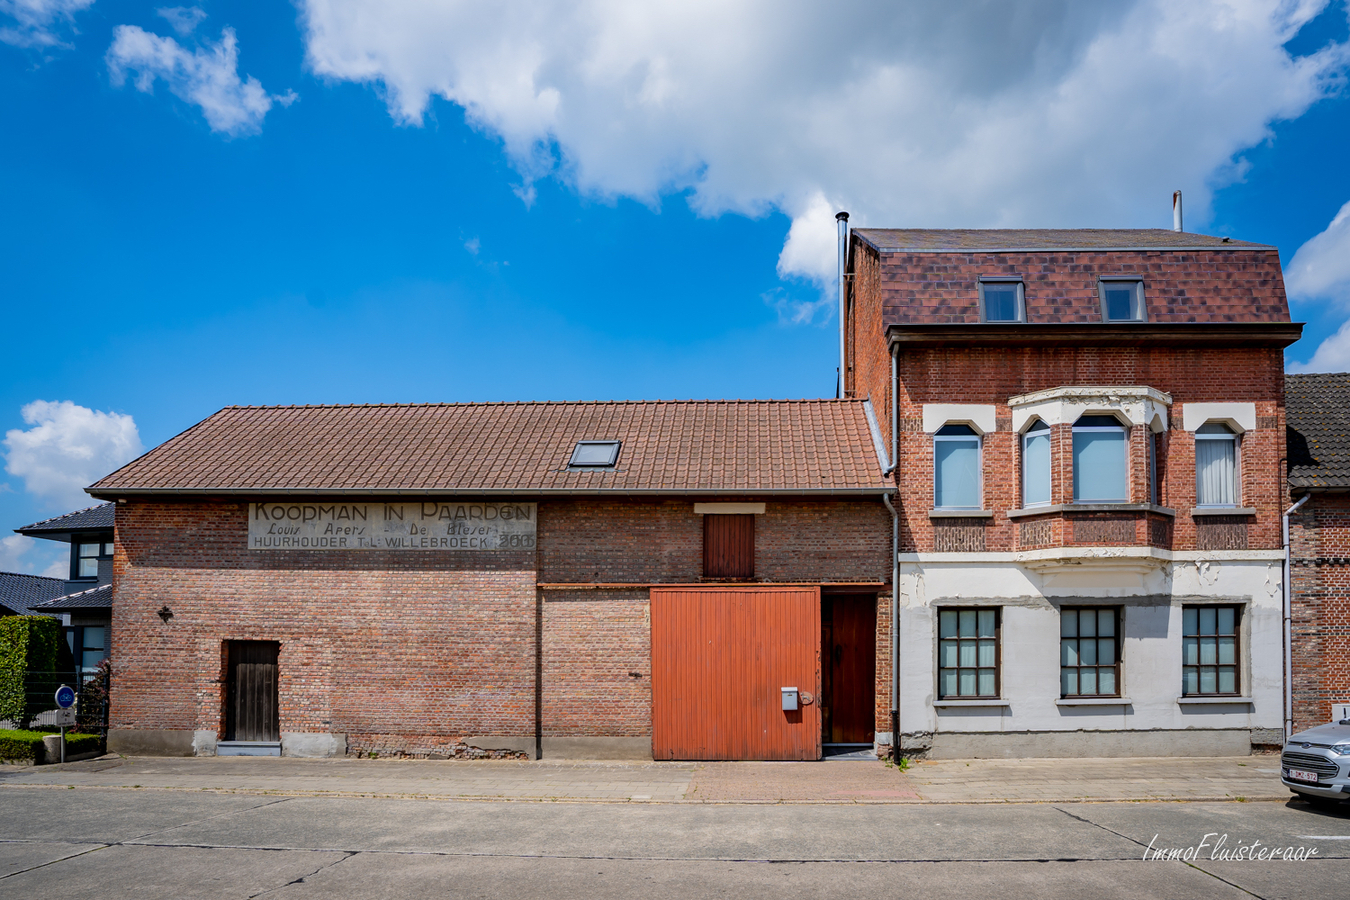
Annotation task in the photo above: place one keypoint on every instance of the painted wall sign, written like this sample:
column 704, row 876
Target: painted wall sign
column 421, row 525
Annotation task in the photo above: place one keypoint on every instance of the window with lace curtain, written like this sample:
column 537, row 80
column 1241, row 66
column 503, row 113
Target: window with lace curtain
column 1216, row 466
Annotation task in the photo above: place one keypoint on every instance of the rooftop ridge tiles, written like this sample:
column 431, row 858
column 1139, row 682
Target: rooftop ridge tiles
column 572, row 403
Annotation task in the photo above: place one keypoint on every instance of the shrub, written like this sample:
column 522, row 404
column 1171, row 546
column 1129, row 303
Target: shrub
column 28, row 745
column 29, row 650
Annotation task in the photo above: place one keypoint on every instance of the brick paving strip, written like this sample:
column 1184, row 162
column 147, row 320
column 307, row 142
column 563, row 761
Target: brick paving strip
column 833, row 782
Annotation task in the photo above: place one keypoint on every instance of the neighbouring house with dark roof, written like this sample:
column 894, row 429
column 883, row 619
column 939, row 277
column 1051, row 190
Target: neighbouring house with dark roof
column 84, row 601
column 20, row 593
column 698, row 579
column 1319, row 540
column 1090, row 429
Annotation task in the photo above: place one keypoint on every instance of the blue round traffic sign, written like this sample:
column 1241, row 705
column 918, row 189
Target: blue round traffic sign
column 65, row 696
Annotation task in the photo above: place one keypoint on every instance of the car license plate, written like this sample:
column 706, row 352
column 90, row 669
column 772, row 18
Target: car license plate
column 1300, row 775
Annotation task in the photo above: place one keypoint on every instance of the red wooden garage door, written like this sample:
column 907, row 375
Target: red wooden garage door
column 720, row 659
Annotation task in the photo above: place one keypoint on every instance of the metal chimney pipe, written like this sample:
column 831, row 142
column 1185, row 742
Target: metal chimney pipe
column 1176, row 211
column 842, row 219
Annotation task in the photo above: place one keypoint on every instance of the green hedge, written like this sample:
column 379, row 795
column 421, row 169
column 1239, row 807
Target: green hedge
column 28, row 645
column 28, row 745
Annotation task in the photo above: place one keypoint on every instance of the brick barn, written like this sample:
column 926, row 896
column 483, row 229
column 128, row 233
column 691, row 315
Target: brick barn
column 565, row 579
column 1091, row 433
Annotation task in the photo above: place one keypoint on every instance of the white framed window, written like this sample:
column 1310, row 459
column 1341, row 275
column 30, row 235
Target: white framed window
column 1036, row 465
column 1100, row 460
column 956, row 468
column 1216, row 465
column 1002, row 300
column 1122, row 300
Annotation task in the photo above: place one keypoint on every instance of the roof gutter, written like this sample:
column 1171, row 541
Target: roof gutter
column 1289, row 623
column 113, row 493
column 1280, row 334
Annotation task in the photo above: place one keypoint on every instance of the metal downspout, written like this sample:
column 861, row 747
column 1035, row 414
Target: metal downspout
column 895, row 626
column 842, row 219
column 1289, row 623
column 895, row 557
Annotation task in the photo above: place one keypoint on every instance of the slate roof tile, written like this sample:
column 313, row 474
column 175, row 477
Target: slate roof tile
column 98, row 518
column 20, row 593
column 1317, row 413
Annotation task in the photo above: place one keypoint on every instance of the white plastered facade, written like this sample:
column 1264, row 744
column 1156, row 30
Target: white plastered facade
column 1150, row 587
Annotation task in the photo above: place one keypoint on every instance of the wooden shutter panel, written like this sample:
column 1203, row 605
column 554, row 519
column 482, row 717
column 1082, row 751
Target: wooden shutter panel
column 729, row 546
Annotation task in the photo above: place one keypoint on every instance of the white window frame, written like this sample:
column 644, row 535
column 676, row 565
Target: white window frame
column 1022, row 440
column 979, row 462
column 1021, row 300
column 1236, row 440
column 1103, row 283
column 1073, row 454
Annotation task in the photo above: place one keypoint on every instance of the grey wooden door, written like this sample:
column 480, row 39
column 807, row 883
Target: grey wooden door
column 251, row 707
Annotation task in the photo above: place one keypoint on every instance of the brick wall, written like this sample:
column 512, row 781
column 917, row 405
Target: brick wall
column 407, row 652
column 595, row 639
column 869, row 360
column 1319, row 537
column 992, row 375
column 388, row 648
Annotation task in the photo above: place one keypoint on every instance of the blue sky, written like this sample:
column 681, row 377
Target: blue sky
column 459, row 207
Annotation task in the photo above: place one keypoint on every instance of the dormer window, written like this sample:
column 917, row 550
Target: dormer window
column 594, row 455
column 1122, row 300
column 1002, row 300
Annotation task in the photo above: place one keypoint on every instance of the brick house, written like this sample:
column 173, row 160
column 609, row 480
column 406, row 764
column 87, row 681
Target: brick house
column 1319, row 540
column 571, row 579
column 1090, row 428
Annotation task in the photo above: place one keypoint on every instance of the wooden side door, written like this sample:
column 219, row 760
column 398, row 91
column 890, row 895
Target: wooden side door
column 720, row 659
column 251, row 704
column 849, row 639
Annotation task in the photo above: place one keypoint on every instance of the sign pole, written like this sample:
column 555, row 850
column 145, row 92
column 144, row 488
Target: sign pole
column 65, row 699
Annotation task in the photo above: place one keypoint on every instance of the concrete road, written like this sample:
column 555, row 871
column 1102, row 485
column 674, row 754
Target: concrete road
column 113, row 843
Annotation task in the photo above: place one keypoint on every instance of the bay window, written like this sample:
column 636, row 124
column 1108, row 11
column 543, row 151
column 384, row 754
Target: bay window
column 1100, row 454
column 1036, row 465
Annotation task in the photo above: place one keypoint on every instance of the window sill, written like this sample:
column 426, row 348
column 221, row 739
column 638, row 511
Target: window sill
column 1210, row 701
column 1091, row 507
column 960, row 514
column 1093, row 701
column 1223, row 511
column 983, row 701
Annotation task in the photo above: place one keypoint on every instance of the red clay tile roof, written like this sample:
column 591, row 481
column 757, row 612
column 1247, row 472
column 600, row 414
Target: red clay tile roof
column 678, row 447
column 930, row 277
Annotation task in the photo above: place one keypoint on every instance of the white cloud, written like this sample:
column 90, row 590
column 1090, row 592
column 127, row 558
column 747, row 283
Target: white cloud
column 1043, row 112
column 17, row 554
column 1332, row 355
column 183, row 19
column 205, row 76
column 36, row 22
column 68, row 448
column 1320, row 270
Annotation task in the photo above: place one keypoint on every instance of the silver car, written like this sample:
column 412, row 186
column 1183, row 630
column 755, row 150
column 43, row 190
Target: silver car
column 1315, row 763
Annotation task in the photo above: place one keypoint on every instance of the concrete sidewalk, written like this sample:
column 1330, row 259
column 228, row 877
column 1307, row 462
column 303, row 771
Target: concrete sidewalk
column 851, row 781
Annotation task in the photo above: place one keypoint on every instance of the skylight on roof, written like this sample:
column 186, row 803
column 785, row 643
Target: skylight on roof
column 595, row 454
